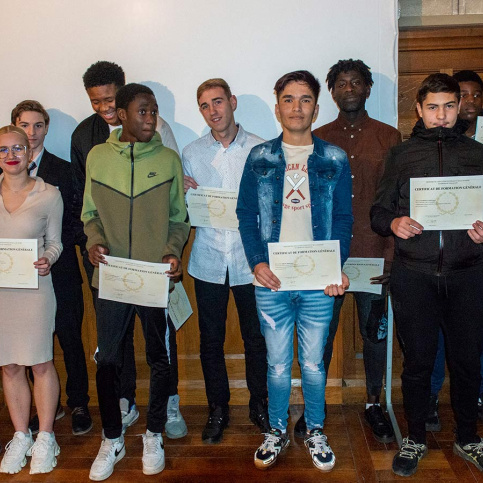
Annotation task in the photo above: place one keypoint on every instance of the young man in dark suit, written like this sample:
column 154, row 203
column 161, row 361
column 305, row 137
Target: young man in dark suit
column 66, row 277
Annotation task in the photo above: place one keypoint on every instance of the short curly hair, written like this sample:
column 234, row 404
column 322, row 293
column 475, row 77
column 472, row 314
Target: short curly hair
column 346, row 66
column 468, row 76
column 102, row 73
column 126, row 94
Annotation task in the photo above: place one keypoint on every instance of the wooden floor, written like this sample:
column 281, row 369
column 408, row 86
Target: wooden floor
column 359, row 457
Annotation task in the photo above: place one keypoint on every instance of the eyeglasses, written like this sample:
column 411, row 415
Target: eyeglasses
column 17, row 150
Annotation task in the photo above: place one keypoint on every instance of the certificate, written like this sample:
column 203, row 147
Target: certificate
column 179, row 307
column 447, row 203
column 360, row 271
column 134, row 282
column 212, row 208
column 305, row 265
column 479, row 129
column 17, row 257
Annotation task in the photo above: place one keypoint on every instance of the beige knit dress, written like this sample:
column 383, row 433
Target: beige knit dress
column 27, row 316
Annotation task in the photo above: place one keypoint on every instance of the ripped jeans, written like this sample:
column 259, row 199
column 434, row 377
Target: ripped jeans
column 278, row 312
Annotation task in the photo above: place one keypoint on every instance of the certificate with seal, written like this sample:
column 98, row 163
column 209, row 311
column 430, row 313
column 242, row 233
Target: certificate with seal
column 212, row 208
column 305, row 265
column 447, row 203
column 179, row 307
column 360, row 271
column 134, row 282
column 17, row 257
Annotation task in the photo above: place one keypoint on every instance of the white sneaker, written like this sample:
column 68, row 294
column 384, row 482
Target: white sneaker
column 129, row 415
column 44, row 452
column 175, row 425
column 321, row 453
column 153, row 453
column 111, row 451
column 16, row 451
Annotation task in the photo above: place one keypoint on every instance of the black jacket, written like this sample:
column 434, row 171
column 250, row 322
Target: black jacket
column 428, row 153
column 89, row 133
column 57, row 172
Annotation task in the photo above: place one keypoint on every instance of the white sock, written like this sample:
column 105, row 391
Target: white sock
column 368, row 405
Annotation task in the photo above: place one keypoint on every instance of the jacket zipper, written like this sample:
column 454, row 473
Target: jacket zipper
column 441, row 238
column 131, row 201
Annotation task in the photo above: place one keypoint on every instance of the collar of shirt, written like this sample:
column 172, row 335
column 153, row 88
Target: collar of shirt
column 36, row 160
column 239, row 140
column 358, row 125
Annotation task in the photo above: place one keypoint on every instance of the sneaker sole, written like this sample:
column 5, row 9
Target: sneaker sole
column 176, row 435
column 14, row 472
column 324, row 469
column 84, row 431
column 105, row 476
column 261, row 466
column 413, row 470
column 459, row 452
column 153, row 471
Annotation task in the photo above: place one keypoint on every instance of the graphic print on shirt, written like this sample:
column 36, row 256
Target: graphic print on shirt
column 297, row 185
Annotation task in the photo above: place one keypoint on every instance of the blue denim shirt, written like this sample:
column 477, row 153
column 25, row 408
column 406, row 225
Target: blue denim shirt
column 260, row 198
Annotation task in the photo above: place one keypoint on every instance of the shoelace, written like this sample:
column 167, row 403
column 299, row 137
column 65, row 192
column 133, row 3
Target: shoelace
column 270, row 441
column 79, row 411
column 13, row 446
column 319, row 442
column 40, row 448
column 173, row 411
column 475, row 447
column 410, row 449
column 106, row 449
column 151, row 444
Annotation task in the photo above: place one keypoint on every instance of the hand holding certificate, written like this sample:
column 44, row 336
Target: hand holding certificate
column 17, row 257
column 306, row 265
column 134, row 282
column 212, row 208
column 447, row 203
column 360, row 272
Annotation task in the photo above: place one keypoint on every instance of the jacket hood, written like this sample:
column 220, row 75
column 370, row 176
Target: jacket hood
column 140, row 149
column 420, row 131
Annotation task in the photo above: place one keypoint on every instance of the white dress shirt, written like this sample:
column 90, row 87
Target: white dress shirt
column 210, row 164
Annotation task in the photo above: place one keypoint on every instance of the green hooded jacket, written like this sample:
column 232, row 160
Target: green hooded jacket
column 134, row 200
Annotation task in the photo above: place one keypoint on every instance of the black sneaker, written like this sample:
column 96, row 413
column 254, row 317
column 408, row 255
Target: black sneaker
column 472, row 452
column 381, row 427
column 405, row 462
column 321, row 453
column 34, row 421
column 259, row 415
column 432, row 421
column 81, row 420
column 266, row 455
column 217, row 422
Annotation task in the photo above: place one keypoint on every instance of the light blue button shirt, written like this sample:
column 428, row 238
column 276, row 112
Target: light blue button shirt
column 210, row 164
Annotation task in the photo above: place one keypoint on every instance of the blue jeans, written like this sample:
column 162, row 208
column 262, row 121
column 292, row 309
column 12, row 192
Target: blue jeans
column 278, row 312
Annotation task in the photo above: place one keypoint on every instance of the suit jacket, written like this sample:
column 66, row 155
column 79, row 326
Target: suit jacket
column 58, row 172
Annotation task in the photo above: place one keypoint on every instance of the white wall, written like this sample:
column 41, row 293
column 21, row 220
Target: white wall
column 174, row 45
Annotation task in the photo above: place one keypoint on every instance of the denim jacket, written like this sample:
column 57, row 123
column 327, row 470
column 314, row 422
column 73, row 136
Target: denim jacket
column 260, row 198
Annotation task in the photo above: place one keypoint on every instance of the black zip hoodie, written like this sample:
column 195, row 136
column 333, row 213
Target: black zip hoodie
column 428, row 153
